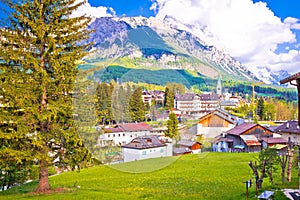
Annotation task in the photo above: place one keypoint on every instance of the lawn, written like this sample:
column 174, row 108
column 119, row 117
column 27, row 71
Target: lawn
column 203, row 176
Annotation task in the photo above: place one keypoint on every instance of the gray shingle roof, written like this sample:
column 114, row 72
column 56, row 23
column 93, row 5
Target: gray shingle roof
column 145, row 142
column 289, row 127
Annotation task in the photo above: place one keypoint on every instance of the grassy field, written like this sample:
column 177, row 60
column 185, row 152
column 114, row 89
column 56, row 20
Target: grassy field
column 203, row 176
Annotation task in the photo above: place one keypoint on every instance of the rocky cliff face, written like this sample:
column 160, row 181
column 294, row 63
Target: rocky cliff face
column 267, row 76
column 155, row 43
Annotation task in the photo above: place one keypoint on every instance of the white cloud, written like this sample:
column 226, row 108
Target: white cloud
column 248, row 31
column 94, row 12
column 292, row 22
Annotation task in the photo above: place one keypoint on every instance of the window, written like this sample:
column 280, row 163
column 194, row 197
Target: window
column 119, row 135
column 108, row 135
column 144, row 152
column 114, row 135
column 161, row 150
column 123, row 134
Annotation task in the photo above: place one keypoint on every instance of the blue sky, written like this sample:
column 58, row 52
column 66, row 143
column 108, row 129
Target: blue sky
column 126, row 7
column 257, row 33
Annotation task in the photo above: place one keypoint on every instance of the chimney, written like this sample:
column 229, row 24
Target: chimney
column 287, row 125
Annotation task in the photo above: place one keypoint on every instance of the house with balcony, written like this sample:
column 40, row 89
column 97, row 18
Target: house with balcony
column 216, row 122
column 247, row 137
column 189, row 104
column 209, row 102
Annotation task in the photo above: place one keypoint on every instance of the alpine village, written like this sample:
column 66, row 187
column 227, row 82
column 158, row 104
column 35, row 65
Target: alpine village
column 135, row 108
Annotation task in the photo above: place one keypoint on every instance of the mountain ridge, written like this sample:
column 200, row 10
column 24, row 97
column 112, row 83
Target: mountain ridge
column 165, row 44
column 166, row 47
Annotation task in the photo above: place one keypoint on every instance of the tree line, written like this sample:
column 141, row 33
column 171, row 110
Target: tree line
column 267, row 109
column 118, row 103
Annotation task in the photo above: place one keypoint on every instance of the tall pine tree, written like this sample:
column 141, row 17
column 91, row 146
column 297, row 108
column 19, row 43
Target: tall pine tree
column 169, row 99
column 172, row 126
column 39, row 50
column 136, row 106
column 260, row 108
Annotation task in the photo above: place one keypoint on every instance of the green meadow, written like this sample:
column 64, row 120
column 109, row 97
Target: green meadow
column 203, row 176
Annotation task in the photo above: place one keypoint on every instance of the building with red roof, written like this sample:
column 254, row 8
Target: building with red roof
column 247, row 137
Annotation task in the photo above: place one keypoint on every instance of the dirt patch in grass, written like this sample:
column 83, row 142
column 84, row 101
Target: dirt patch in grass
column 53, row 191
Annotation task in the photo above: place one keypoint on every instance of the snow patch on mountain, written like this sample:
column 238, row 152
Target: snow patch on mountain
column 267, row 76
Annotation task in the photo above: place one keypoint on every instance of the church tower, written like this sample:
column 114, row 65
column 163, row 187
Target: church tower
column 219, row 86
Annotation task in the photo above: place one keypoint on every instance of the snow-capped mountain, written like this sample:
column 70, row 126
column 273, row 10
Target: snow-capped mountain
column 265, row 75
column 162, row 44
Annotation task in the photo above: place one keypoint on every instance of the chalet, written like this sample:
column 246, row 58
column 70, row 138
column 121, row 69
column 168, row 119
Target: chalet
column 192, row 146
column 145, row 147
column 272, row 141
column 124, row 133
column 250, row 143
column 238, row 141
column 216, row 122
column 290, row 131
column 220, row 143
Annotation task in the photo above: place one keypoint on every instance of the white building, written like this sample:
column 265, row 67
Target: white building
column 189, row 104
column 124, row 133
column 146, row 147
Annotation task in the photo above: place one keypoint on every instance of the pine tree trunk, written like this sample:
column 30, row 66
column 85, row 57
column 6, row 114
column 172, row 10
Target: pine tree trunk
column 43, row 178
column 283, row 174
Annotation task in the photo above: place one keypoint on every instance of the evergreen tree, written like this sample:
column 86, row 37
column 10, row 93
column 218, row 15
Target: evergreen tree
column 172, row 126
column 136, row 106
column 39, row 50
column 260, row 108
column 104, row 93
column 169, row 99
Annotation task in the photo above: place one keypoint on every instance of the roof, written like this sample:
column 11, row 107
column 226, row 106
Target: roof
column 209, row 97
column 186, row 97
column 272, row 128
column 145, row 142
column 227, row 103
column 276, row 140
column 250, row 140
column 289, row 127
column 221, row 113
column 240, row 129
column 181, row 150
column 187, row 143
column 129, row 127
